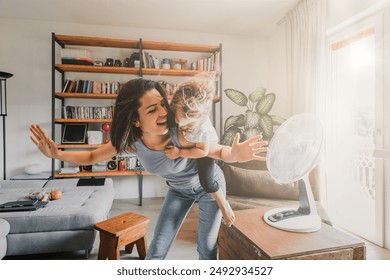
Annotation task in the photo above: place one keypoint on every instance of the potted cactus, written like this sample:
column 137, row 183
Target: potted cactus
column 255, row 120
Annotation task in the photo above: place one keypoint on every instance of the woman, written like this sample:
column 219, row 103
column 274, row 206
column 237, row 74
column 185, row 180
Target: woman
column 144, row 124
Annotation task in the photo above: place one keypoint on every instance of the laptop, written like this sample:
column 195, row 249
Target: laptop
column 85, row 182
column 22, row 205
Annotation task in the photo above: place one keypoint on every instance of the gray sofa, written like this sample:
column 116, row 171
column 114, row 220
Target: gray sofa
column 4, row 230
column 249, row 185
column 62, row 225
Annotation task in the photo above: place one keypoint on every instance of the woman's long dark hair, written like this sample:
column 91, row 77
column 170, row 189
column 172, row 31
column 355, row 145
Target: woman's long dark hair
column 124, row 133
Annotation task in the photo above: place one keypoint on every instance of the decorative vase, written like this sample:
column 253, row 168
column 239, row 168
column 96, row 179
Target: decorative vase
column 106, row 128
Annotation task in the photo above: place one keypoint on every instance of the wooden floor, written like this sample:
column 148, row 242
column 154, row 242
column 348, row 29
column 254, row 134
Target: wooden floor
column 184, row 247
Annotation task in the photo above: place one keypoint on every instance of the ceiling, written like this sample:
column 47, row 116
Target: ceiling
column 228, row 17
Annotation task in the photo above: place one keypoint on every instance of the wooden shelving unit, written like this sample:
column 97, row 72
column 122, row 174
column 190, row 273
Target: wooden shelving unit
column 140, row 45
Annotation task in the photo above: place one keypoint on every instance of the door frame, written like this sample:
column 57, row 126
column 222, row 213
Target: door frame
column 381, row 21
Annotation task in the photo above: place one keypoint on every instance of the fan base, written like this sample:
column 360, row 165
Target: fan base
column 290, row 219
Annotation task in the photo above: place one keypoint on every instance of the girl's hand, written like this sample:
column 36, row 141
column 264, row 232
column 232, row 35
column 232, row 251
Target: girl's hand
column 172, row 152
column 43, row 142
column 249, row 149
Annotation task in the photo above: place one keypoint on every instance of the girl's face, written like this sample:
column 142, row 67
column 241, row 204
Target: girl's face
column 153, row 114
column 185, row 124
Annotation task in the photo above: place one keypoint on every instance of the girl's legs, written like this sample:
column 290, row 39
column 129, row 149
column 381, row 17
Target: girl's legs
column 207, row 169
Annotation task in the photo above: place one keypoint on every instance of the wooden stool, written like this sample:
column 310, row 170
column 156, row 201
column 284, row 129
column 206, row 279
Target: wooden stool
column 123, row 230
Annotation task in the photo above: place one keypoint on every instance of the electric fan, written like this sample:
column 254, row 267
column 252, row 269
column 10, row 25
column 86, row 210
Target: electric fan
column 292, row 153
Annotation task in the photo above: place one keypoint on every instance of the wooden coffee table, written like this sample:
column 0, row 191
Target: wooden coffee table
column 250, row 238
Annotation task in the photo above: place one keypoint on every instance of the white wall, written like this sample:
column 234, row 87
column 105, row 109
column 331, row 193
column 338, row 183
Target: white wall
column 341, row 10
column 277, row 72
column 25, row 51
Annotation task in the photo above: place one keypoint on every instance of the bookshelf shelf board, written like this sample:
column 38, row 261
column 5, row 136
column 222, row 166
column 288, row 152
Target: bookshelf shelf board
column 97, row 69
column 83, row 120
column 97, row 42
column 103, row 96
column 132, row 44
column 86, row 95
column 79, row 146
column 102, row 174
column 169, row 72
column 165, row 46
column 125, row 70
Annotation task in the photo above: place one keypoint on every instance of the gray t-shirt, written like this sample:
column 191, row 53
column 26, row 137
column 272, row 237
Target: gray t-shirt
column 181, row 173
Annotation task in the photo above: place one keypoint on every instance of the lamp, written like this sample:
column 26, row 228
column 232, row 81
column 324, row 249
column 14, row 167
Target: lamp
column 3, row 111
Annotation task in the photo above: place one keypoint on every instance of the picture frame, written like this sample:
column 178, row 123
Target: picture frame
column 74, row 134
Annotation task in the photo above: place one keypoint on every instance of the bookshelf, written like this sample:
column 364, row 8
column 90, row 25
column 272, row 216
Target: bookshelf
column 131, row 46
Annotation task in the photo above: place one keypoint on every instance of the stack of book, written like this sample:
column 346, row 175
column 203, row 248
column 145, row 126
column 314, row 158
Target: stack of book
column 87, row 112
column 87, row 86
column 149, row 61
column 210, row 63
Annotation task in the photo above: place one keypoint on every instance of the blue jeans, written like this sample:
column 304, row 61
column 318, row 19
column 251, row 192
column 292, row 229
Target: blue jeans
column 176, row 206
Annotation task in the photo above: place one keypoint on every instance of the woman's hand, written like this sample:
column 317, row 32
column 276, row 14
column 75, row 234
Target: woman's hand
column 172, row 152
column 43, row 142
column 249, row 149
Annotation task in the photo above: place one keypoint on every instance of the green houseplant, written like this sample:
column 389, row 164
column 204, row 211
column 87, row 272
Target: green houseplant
column 255, row 120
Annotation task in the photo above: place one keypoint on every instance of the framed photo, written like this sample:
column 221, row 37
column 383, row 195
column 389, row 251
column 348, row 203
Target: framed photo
column 74, row 134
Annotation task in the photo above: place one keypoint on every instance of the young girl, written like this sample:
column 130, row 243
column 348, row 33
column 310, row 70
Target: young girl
column 191, row 104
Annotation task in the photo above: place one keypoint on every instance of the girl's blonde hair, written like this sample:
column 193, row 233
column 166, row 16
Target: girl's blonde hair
column 194, row 98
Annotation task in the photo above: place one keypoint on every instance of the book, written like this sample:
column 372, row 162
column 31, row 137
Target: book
column 18, row 203
column 66, row 85
column 37, row 205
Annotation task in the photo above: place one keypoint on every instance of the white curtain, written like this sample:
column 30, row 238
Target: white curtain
column 305, row 30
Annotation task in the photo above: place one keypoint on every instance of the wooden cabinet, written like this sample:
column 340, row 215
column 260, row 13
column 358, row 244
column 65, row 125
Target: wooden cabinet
column 60, row 99
column 250, row 238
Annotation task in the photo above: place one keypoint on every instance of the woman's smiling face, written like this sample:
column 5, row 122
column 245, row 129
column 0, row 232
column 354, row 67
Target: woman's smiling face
column 153, row 114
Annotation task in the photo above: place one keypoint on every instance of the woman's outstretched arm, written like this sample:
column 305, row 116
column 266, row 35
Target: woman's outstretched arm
column 47, row 146
column 240, row 152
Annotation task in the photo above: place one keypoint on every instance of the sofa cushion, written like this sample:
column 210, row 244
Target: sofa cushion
column 28, row 184
column 253, row 180
column 78, row 208
column 256, row 183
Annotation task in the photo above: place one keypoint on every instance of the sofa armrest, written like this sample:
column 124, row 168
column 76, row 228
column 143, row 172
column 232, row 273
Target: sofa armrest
column 4, row 230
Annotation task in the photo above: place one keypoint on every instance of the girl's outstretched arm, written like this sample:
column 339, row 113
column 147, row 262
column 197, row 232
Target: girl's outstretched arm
column 240, row 152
